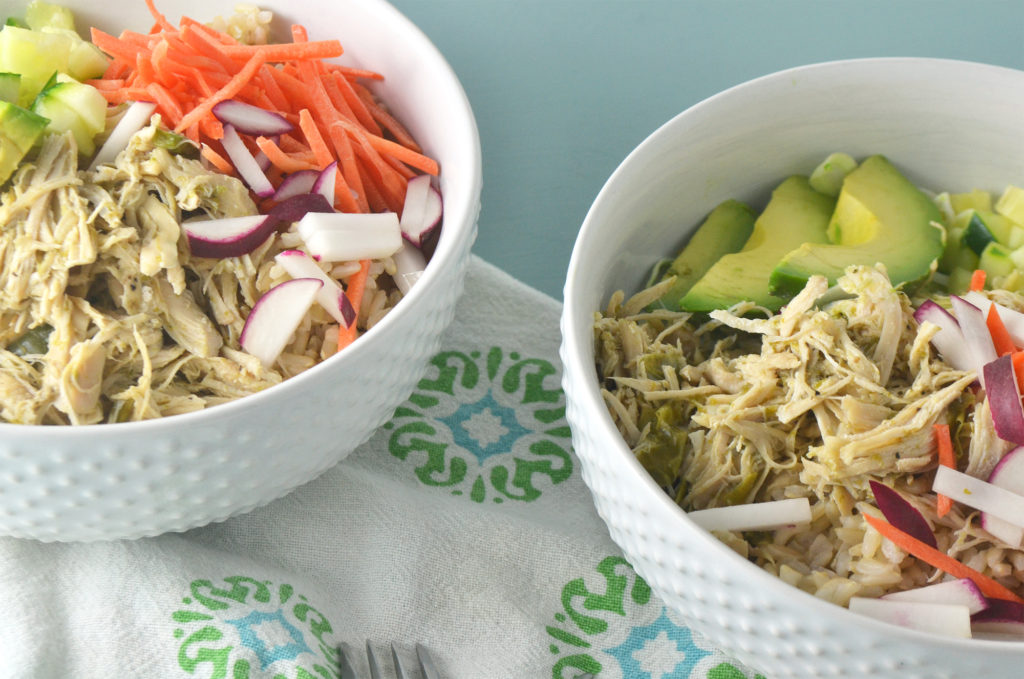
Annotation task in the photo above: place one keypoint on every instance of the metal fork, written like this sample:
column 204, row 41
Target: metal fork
column 426, row 663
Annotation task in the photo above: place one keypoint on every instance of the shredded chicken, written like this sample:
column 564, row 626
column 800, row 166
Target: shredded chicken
column 104, row 314
column 815, row 402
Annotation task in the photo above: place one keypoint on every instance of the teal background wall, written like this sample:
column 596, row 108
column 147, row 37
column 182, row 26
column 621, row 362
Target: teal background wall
column 564, row 89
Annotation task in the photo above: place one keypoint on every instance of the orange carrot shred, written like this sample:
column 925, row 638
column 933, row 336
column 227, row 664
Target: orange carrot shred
column 977, row 280
column 944, row 443
column 288, row 162
column 320, row 49
column 354, row 292
column 159, row 18
column 1000, row 336
column 240, row 80
column 315, row 140
column 217, row 160
column 941, row 560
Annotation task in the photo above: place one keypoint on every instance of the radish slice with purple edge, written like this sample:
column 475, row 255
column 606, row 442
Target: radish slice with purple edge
column 1009, row 474
column 228, row 237
column 757, row 516
column 249, row 119
column 409, row 266
column 949, row 340
column 133, row 120
column 422, row 209
column 295, row 184
column 902, row 514
column 976, row 335
column 1001, row 618
column 295, row 208
column 342, row 236
column 245, row 163
column 275, row 316
column 1003, row 397
column 944, row 619
column 962, row 592
column 979, row 494
column 300, row 265
column 1012, row 320
column 324, row 183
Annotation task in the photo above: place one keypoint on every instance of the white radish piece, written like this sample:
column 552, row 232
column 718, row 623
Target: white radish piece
column 1003, row 396
column 342, row 237
column 249, row 119
column 275, row 316
column 1009, row 474
column 949, row 340
column 757, row 516
column 295, row 184
column 961, row 592
column 300, row 265
column 1002, row 619
column 976, row 334
column 421, row 211
column 944, row 619
column 409, row 266
column 133, row 120
column 228, row 237
column 979, row 494
column 324, row 183
column 245, row 163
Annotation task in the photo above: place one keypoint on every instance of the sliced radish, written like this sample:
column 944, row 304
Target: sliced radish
column 1002, row 617
column 245, row 163
column 962, row 592
column 902, row 514
column 133, row 120
column 348, row 311
column 1013, row 320
column 249, row 119
column 300, row 265
column 421, row 211
column 949, row 340
column 757, row 516
column 276, row 315
column 295, row 184
column 976, row 334
column 1004, row 399
column 340, row 236
column 409, row 266
column 979, row 494
column 945, row 619
column 228, row 237
column 295, row 208
column 324, row 183
column 1009, row 474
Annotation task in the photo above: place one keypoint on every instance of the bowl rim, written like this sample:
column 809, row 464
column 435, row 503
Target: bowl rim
column 577, row 352
column 458, row 224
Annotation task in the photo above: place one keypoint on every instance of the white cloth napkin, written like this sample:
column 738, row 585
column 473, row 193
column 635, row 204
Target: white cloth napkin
column 463, row 524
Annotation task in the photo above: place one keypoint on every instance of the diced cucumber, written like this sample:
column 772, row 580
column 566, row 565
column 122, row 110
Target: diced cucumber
column 15, row 21
column 995, row 260
column 34, row 55
column 19, row 130
column 960, row 280
column 978, row 199
column 1011, row 204
column 828, row 177
column 75, row 107
column 39, row 15
column 1016, row 237
column 1017, row 257
column 984, row 228
column 85, row 60
column 10, row 84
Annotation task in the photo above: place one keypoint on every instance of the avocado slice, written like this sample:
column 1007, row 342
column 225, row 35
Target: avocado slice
column 880, row 217
column 795, row 214
column 19, row 130
column 725, row 230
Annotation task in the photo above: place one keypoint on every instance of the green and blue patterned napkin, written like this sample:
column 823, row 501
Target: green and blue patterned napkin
column 463, row 524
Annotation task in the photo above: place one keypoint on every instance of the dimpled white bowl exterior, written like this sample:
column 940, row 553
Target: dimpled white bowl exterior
column 949, row 125
column 139, row 479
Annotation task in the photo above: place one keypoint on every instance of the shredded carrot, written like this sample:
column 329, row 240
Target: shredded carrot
column 941, row 560
column 977, row 280
column 215, row 159
column 315, row 140
column 1000, row 336
column 354, row 292
column 320, row 49
column 944, row 443
column 240, row 80
column 160, row 19
column 286, row 162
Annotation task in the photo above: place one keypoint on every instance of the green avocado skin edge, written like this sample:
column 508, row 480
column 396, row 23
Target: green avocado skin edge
column 795, row 214
column 906, row 240
column 725, row 230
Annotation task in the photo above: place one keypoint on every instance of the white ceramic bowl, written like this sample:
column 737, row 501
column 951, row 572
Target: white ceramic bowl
column 138, row 479
column 950, row 125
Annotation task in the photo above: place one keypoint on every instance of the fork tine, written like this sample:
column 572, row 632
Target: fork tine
column 347, row 671
column 375, row 672
column 399, row 670
column 426, row 663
